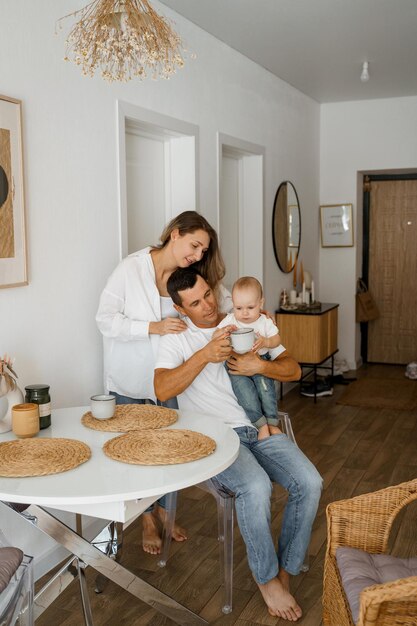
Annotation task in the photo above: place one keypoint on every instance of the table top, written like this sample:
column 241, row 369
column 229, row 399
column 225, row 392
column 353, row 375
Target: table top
column 103, row 480
column 324, row 308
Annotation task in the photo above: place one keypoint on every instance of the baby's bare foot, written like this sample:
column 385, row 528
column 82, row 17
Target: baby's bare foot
column 279, row 601
column 263, row 432
column 274, row 430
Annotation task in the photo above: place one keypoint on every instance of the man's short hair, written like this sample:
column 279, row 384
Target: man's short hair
column 181, row 279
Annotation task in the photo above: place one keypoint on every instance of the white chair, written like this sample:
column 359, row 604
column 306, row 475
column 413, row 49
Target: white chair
column 225, row 516
column 16, row 599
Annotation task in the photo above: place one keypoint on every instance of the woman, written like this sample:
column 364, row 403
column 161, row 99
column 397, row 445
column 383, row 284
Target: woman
column 135, row 309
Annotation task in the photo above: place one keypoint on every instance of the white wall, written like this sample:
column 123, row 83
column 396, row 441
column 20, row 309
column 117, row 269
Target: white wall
column 358, row 137
column 71, row 186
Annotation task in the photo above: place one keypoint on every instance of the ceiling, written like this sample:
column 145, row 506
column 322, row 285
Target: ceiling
column 318, row 46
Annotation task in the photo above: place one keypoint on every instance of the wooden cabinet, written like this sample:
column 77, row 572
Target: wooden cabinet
column 309, row 336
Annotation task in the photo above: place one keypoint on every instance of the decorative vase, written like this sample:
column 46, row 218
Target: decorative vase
column 12, row 397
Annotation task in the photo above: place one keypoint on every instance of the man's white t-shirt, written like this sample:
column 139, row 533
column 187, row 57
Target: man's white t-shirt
column 264, row 326
column 211, row 392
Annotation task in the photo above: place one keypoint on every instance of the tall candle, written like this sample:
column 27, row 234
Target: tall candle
column 312, row 291
column 304, row 292
column 301, row 273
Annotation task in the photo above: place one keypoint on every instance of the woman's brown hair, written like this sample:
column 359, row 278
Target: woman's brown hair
column 211, row 266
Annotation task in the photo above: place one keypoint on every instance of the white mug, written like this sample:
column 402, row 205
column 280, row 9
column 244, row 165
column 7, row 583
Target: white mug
column 242, row 339
column 103, row 406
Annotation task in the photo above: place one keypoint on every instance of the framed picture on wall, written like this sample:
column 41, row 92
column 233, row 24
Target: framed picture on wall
column 336, row 222
column 13, row 266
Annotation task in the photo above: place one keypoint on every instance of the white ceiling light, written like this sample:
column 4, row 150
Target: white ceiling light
column 365, row 72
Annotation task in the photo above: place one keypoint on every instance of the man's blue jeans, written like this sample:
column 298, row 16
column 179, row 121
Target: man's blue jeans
column 170, row 404
column 257, row 396
column 276, row 459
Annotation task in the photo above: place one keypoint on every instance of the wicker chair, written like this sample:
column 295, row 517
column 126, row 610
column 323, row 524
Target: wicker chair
column 365, row 522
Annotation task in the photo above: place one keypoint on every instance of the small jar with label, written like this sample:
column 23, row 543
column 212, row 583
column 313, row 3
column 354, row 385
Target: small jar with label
column 39, row 394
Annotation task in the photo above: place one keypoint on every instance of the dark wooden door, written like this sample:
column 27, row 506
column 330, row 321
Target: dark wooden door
column 392, row 277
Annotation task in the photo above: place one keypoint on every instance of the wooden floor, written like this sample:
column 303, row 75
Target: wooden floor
column 356, row 450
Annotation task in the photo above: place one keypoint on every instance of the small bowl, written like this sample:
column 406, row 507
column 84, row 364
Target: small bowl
column 103, row 406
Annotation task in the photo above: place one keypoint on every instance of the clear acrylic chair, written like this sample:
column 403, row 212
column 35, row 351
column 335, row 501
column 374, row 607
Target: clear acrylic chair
column 16, row 600
column 225, row 517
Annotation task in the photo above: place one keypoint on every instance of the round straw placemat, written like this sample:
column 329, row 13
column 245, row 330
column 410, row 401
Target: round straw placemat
column 129, row 417
column 41, row 457
column 164, row 447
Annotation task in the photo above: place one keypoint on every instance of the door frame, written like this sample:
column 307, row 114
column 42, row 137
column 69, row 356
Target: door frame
column 368, row 178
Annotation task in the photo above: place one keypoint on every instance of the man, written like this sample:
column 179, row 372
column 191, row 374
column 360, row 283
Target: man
column 190, row 366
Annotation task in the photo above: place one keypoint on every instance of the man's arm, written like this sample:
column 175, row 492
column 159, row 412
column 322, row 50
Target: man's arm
column 284, row 368
column 168, row 383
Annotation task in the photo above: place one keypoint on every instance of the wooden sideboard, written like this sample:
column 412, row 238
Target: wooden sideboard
column 310, row 335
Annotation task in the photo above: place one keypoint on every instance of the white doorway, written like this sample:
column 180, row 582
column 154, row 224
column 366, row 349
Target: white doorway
column 157, row 174
column 240, row 207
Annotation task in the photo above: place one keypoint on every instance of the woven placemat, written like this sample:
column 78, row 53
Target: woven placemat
column 129, row 417
column 41, row 457
column 164, row 447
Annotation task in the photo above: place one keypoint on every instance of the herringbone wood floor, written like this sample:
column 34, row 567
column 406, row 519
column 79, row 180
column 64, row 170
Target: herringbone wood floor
column 356, row 450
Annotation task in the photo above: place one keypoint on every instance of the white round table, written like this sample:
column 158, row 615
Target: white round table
column 112, row 490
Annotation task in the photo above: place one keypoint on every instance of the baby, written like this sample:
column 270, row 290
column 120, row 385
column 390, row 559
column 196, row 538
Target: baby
column 255, row 394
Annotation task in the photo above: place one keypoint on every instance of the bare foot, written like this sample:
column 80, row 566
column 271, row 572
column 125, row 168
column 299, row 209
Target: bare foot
column 263, row 432
column 151, row 534
column 284, row 579
column 279, row 601
column 274, row 430
column 178, row 533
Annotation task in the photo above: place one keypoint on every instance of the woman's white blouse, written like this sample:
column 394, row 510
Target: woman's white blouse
column 129, row 302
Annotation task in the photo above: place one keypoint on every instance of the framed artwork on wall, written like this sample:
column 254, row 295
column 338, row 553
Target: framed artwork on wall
column 13, row 264
column 336, row 225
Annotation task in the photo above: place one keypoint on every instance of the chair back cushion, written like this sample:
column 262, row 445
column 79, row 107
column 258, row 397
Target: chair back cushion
column 10, row 559
column 360, row 569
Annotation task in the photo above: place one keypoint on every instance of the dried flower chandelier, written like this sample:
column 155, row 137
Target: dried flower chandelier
column 124, row 38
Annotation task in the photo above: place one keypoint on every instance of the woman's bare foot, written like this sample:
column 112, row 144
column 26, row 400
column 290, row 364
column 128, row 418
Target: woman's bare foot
column 263, row 432
column 279, row 601
column 178, row 533
column 151, row 534
column 274, row 430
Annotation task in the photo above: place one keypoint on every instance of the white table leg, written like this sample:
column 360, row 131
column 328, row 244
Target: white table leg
column 90, row 555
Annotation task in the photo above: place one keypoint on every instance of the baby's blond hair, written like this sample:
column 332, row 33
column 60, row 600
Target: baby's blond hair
column 246, row 282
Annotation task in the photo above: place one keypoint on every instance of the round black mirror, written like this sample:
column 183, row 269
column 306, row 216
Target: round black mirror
column 286, row 226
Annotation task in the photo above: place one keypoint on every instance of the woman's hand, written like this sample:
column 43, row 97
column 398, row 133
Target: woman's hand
column 269, row 316
column 167, row 326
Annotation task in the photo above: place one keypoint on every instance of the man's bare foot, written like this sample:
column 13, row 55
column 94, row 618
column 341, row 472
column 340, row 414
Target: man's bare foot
column 178, row 533
column 284, row 579
column 279, row 601
column 151, row 534
column 274, row 430
column 263, row 432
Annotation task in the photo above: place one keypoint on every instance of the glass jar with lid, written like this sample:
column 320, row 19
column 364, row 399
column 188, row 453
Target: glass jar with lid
column 39, row 394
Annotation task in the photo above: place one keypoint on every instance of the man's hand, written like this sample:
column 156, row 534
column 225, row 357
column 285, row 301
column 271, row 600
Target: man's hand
column 247, row 364
column 219, row 348
column 283, row 368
